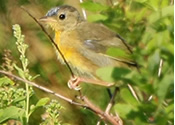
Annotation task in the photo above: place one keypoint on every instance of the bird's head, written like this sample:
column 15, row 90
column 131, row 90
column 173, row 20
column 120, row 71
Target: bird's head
column 62, row 18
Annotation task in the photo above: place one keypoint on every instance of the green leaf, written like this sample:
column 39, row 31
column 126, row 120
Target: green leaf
column 120, row 73
column 128, row 97
column 123, row 109
column 163, row 86
column 157, row 4
column 153, row 61
column 111, row 74
column 89, row 5
column 6, row 81
column 20, row 71
column 11, row 112
column 117, row 52
column 40, row 103
column 34, row 77
column 169, row 48
column 97, row 17
column 137, row 18
column 106, row 73
column 166, row 11
column 170, row 110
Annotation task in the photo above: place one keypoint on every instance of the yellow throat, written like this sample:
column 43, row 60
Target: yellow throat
column 57, row 37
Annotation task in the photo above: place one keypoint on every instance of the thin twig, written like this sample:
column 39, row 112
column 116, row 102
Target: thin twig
column 160, row 67
column 112, row 101
column 129, row 49
column 83, row 11
column 133, row 92
column 51, row 40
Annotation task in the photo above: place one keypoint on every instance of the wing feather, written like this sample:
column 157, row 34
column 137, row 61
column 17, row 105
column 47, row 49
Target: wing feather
column 99, row 40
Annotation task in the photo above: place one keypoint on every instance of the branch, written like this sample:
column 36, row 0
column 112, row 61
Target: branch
column 105, row 116
column 112, row 101
column 110, row 105
column 41, row 88
column 87, row 103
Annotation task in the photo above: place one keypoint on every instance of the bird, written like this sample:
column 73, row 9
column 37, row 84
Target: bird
column 84, row 45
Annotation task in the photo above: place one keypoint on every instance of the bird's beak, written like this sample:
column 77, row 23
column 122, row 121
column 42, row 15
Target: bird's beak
column 47, row 19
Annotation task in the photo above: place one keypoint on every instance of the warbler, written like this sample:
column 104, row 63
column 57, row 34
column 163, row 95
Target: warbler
column 84, row 44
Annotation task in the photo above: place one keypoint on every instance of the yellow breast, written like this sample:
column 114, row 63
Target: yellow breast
column 66, row 51
column 68, row 47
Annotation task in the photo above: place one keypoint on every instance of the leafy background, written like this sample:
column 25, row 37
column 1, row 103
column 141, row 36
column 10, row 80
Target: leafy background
column 147, row 25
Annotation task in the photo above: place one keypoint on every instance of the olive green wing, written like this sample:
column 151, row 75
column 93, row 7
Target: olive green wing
column 104, row 45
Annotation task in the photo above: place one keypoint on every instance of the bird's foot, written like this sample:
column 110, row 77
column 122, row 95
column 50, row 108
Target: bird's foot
column 74, row 82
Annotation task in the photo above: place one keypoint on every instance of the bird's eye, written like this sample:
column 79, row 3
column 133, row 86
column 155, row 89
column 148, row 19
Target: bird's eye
column 62, row 17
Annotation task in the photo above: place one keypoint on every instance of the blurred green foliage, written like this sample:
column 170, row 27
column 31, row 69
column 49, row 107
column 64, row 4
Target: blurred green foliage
column 147, row 25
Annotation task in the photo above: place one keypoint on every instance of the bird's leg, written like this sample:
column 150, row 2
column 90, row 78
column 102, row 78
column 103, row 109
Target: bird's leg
column 74, row 82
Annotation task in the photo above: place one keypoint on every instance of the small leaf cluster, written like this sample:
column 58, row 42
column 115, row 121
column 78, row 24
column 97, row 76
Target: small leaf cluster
column 52, row 113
